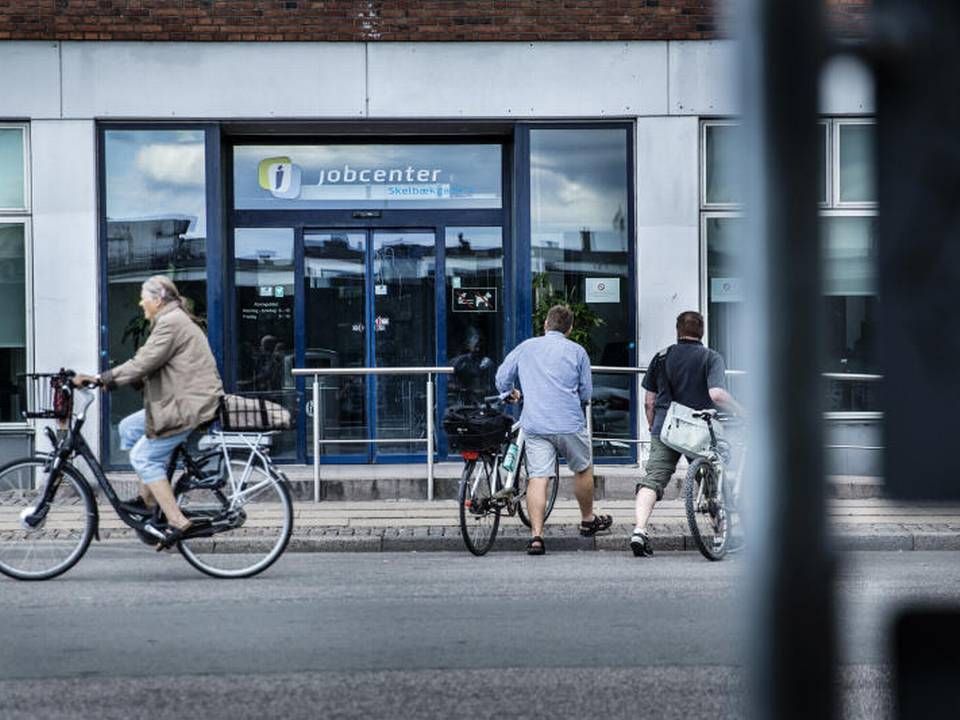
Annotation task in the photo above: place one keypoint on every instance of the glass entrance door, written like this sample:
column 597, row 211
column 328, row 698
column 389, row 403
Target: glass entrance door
column 335, row 319
column 370, row 301
column 403, row 333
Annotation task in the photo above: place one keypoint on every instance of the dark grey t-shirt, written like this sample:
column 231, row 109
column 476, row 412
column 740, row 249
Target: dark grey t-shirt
column 683, row 372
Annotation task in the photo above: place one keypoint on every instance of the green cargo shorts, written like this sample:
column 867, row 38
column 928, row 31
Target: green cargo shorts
column 661, row 465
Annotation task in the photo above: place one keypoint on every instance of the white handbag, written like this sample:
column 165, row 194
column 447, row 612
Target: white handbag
column 687, row 434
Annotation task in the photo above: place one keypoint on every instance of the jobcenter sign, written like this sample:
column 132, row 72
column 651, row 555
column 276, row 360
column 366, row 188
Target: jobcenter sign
column 282, row 178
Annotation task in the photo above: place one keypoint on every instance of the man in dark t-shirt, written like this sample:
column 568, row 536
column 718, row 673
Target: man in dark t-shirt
column 692, row 375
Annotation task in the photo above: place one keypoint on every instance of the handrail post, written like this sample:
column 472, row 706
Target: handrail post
column 588, row 409
column 316, row 438
column 429, row 436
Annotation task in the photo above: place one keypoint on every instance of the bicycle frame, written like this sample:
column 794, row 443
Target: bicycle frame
column 240, row 494
column 72, row 444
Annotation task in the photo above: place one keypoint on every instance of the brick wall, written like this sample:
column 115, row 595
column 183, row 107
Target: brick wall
column 385, row 20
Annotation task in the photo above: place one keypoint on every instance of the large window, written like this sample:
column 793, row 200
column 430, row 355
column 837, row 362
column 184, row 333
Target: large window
column 580, row 254
column 155, row 202
column 14, row 245
column 848, row 238
column 264, row 285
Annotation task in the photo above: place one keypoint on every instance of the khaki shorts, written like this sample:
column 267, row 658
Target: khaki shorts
column 541, row 451
column 661, row 465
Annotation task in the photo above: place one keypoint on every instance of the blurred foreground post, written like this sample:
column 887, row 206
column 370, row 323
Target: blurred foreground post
column 791, row 571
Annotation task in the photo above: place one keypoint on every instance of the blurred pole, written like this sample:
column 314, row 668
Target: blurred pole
column 790, row 572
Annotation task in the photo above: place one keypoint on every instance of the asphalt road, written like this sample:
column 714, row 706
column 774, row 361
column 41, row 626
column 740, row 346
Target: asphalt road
column 129, row 634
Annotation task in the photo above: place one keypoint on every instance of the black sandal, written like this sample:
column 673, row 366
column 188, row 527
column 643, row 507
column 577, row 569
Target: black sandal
column 598, row 524
column 536, row 546
column 172, row 535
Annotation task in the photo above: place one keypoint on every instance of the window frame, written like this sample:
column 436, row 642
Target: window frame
column 834, row 195
column 831, row 208
column 25, row 137
column 705, row 217
column 213, row 195
column 704, row 124
column 25, row 221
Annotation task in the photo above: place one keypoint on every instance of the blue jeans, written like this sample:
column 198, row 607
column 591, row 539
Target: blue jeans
column 148, row 456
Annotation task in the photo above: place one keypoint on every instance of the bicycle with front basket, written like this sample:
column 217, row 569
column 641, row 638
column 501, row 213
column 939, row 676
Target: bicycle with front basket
column 49, row 513
column 711, row 490
column 491, row 484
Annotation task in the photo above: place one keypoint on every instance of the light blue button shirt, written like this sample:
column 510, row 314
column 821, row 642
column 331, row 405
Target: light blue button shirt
column 553, row 373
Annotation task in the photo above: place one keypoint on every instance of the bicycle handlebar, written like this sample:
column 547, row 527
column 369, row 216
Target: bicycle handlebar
column 501, row 397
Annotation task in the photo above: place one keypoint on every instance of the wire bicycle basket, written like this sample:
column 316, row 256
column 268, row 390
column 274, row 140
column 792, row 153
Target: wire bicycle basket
column 45, row 395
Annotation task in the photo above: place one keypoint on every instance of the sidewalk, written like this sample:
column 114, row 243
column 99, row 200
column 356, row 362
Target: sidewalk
column 408, row 525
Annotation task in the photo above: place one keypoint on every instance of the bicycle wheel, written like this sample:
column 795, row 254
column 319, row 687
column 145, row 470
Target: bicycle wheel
column 479, row 512
column 40, row 548
column 553, row 486
column 256, row 510
column 706, row 512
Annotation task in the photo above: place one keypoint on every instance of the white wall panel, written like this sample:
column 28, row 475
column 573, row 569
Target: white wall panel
column 224, row 80
column 517, row 79
column 29, row 80
column 668, row 254
column 846, row 87
column 65, row 264
column 702, row 78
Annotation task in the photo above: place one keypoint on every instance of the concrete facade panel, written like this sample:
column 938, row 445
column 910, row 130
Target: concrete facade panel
column 65, row 259
column 213, row 80
column 587, row 79
column 847, row 88
column 668, row 237
column 29, row 80
column 702, row 78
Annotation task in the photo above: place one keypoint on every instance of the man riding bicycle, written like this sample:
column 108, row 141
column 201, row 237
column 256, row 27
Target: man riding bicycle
column 554, row 374
column 181, row 391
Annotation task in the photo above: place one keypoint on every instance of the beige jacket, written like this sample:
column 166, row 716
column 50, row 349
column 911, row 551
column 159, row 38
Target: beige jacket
column 182, row 387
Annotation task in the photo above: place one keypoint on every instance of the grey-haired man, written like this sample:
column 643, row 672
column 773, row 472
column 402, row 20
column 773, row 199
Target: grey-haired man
column 554, row 373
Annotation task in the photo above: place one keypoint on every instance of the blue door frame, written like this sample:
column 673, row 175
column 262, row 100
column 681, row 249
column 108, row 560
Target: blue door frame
column 513, row 218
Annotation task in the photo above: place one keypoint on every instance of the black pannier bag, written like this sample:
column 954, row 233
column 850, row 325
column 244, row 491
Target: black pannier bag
column 471, row 429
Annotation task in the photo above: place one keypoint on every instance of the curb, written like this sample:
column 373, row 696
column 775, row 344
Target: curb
column 448, row 540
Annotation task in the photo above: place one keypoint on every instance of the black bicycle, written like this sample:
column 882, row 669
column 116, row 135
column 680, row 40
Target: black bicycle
column 495, row 475
column 49, row 513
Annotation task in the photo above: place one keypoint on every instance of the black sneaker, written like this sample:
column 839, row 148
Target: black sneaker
column 640, row 544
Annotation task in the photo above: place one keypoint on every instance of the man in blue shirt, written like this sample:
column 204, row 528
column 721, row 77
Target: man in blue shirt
column 554, row 374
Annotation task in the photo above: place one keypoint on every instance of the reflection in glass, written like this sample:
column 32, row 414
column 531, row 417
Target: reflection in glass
column 725, row 306
column 156, row 224
column 857, row 182
column 404, row 265
column 264, row 287
column 11, row 169
column 579, row 245
column 474, row 278
column 850, row 286
column 722, row 182
column 367, row 176
column 850, row 297
column 13, row 323
column 334, row 263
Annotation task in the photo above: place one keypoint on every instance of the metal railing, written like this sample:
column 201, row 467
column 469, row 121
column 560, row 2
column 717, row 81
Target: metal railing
column 316, row 373
column 317, row 441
